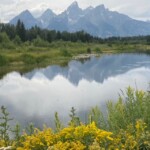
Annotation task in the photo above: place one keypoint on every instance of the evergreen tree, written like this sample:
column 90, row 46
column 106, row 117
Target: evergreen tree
column 21, row 31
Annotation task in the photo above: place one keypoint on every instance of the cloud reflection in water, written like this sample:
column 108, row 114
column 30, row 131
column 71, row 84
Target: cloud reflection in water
column 35, row 96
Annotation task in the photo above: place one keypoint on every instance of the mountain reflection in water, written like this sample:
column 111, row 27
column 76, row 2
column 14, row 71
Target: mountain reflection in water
column 36, row 95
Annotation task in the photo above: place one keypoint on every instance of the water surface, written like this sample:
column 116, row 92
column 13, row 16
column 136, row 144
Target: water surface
column 36, row 95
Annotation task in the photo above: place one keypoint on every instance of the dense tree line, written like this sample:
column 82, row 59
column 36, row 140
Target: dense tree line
column 46, row 35
column 19, row 33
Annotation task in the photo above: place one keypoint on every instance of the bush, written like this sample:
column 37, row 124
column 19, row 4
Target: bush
column 89, row 137
column 127, row 110
column 41, row 59
column 5, row 41
column 110, row 45
column 17, row 40
column 40, row 43
column 3, row 60
column 89, row 50
column 27, row 43
column 4, row 38
column 65, row 53
column 8, row 46
column 28, row 59
column 98, row 50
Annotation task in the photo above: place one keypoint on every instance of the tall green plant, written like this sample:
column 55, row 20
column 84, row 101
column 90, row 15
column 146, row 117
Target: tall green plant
column 30, row 129
column 75, row 121
column 17, row 134
column 116, row 115
column 4, row 126
column 127, row 110
column 97, row 116
column 58, row 124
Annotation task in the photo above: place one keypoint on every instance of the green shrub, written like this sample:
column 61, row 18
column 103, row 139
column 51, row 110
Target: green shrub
column 98, row 50
column 5, row 41
column 3, row 60
column 110, row 45
column 4, row 126
column 38, row 42
column 28, row 59
column 89, row 50
column 17, row 40
column 8, row 46
column 41, row 59
column 65, row 53
column 27, row 43
column 127, row 110
column 4, row 38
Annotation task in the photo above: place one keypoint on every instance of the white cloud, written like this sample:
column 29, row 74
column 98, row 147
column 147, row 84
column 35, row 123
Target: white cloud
column 138, row 9
column 26, row 96
column 6, row 2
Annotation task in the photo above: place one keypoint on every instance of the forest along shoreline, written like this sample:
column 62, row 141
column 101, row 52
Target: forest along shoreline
column 25, row 49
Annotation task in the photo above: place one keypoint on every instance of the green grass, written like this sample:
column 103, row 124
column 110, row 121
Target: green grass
column 32, row 55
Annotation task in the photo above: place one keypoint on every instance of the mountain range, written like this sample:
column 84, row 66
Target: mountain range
column 97, row 21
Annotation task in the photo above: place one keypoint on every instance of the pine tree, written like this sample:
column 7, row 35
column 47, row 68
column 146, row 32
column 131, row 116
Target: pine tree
column 21, row 31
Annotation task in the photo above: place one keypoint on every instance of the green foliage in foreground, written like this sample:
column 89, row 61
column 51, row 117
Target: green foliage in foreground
column 125, row 125
column 136, row 105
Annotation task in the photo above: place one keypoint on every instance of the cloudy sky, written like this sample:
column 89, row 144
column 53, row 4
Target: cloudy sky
column 138, row 9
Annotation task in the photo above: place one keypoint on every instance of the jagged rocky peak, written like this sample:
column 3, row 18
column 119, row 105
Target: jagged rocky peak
column 74, row 12
column 26, row 13
column 98, row 21
column 48, row 12
column 27, row 18
column 88, row 9
column 22, row 16
column 74, row 4
column 74, row 7
column 46, row 17
column 101, row 7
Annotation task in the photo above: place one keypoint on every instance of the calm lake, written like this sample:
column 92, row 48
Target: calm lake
column 37, row 95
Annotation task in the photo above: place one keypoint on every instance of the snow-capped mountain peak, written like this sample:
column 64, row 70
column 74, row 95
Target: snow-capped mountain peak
column 46, row 17
column 98, row 21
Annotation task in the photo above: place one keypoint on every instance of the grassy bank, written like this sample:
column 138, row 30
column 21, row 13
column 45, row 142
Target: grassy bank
column 126, row 125
column 22, row 48
column 28, row 55
column 58, row 52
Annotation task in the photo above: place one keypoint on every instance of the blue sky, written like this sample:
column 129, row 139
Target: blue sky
column 138, row 9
